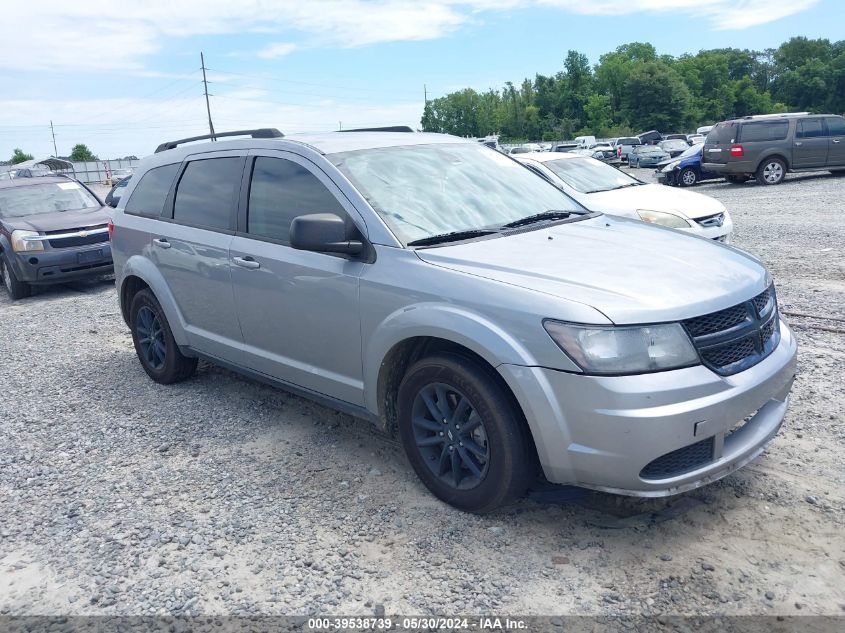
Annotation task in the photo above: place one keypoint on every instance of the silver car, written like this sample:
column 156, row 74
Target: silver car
column 450, row 295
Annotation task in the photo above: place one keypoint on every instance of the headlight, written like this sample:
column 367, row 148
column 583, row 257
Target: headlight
column 626, row 349
column 671, row 167
column 663, row 218
column 21, row 245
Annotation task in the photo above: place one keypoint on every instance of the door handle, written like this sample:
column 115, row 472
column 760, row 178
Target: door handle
column 246, row 262
column 798, row 143
column 162, row 242
column 836, row 140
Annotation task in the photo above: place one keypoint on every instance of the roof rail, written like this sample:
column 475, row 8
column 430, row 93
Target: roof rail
column 265, row 132
column 776, row 115
column 389, row 128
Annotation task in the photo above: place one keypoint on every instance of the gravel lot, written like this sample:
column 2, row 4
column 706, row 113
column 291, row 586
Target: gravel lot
column 223, row 496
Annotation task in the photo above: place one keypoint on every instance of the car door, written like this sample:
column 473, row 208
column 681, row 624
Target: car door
column 810, row 145
column 298, row 310
column 191, row 250
column 836, row 139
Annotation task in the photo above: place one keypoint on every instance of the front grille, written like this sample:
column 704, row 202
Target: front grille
column 680, row 461
column 69, row 242
column 739, row 337
column 717, row 219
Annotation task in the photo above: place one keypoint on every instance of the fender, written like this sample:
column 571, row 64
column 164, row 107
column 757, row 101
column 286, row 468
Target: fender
column 141, row 267
column 12, row 262
column 440, row 320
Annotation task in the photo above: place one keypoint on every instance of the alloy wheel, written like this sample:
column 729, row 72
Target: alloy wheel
column 688, row 177
column 450, row 436
column 7, row 278
column 151, row 338
column 773, row 172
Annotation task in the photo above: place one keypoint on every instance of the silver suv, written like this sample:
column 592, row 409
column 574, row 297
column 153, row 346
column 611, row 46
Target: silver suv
column 446, row 293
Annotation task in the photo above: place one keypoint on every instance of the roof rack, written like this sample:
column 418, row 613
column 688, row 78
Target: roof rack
column 777, row 115
column 264, row 132
column 389, row 128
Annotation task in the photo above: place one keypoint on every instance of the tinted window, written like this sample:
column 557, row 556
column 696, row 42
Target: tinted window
column 763, row 131
column 836, row 126
column 282, row 190
column 148, row 197
column 721, row 133
column 206, row 192
column 810, row 128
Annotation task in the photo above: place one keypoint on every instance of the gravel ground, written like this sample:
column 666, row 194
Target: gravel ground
column 223, row 496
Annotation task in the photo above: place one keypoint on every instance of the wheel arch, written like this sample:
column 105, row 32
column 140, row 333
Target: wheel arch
column 138, row 274
column 771, row 155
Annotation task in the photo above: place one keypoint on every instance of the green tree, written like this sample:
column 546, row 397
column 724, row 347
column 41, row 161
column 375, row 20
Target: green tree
column 19, row 156
column 654, row 96
column 80, row 153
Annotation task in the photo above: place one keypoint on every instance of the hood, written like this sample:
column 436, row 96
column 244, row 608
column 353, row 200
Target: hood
column 59, row 220
column 630, row 271
column 653, row 198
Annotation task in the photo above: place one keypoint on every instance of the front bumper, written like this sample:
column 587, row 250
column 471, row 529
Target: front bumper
column 60, row 264
column 603, row 432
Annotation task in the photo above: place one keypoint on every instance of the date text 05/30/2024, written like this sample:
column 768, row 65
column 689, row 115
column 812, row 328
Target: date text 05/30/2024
column 411, row 624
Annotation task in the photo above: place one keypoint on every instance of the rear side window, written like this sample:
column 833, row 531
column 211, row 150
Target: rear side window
column 282, row 190
column 149, row 196
column 836, row 126
column 763, row 131
column 206, row 194
column 810, row 128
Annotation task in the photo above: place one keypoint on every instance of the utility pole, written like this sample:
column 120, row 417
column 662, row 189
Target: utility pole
column 425, row 93
column 52, row 131
column 207, row 105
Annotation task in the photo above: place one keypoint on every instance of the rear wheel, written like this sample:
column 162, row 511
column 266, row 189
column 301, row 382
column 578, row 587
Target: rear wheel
column 687, row 177
column 16, row 289
column 154, row 343
column 462, row 433
column 771, row 171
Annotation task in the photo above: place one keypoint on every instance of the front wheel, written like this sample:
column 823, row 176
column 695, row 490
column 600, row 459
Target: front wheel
column 154, row 343
column 771, row 171
column 15, row 288
column 462, row 433
column 687, row 177
column 636, row 164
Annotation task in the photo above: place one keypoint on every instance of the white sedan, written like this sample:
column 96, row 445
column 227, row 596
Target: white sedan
column 600, row 187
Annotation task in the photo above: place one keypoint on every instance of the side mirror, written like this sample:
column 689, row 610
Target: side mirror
column 113, row 202
column 323, row 233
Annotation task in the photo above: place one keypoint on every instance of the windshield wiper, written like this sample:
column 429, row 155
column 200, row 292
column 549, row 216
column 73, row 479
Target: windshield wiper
column 453, row 236
column 546, row 216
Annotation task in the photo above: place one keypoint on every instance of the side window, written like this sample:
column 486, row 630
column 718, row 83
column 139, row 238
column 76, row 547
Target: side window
column 763, row 131
column 836, row 126
column 206, row 193
column 810, row 128
column 149, row 196
column 280, row 191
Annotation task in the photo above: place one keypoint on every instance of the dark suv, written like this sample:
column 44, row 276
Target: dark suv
column 766, row 147
column 51, row 229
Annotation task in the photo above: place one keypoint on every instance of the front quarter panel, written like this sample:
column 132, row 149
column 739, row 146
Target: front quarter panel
column 403, row 297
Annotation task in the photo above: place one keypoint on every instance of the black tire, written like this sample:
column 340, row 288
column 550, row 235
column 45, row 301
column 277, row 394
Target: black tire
column 154, row 343
column 771, row 171
column 687, row 177
column 16, row 289
column 636, row 164
column 492, row 423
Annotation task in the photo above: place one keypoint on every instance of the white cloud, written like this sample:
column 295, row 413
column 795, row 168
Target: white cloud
column 276, row 50
column 110, row 35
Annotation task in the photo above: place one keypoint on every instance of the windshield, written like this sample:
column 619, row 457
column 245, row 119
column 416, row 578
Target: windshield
column 692, row 151
column 17, row 202
column 587, row 175
column 672, row 144
column 426, row 190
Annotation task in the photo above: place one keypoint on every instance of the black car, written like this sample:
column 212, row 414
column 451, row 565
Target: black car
column 114, row 194
column 51, row 230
